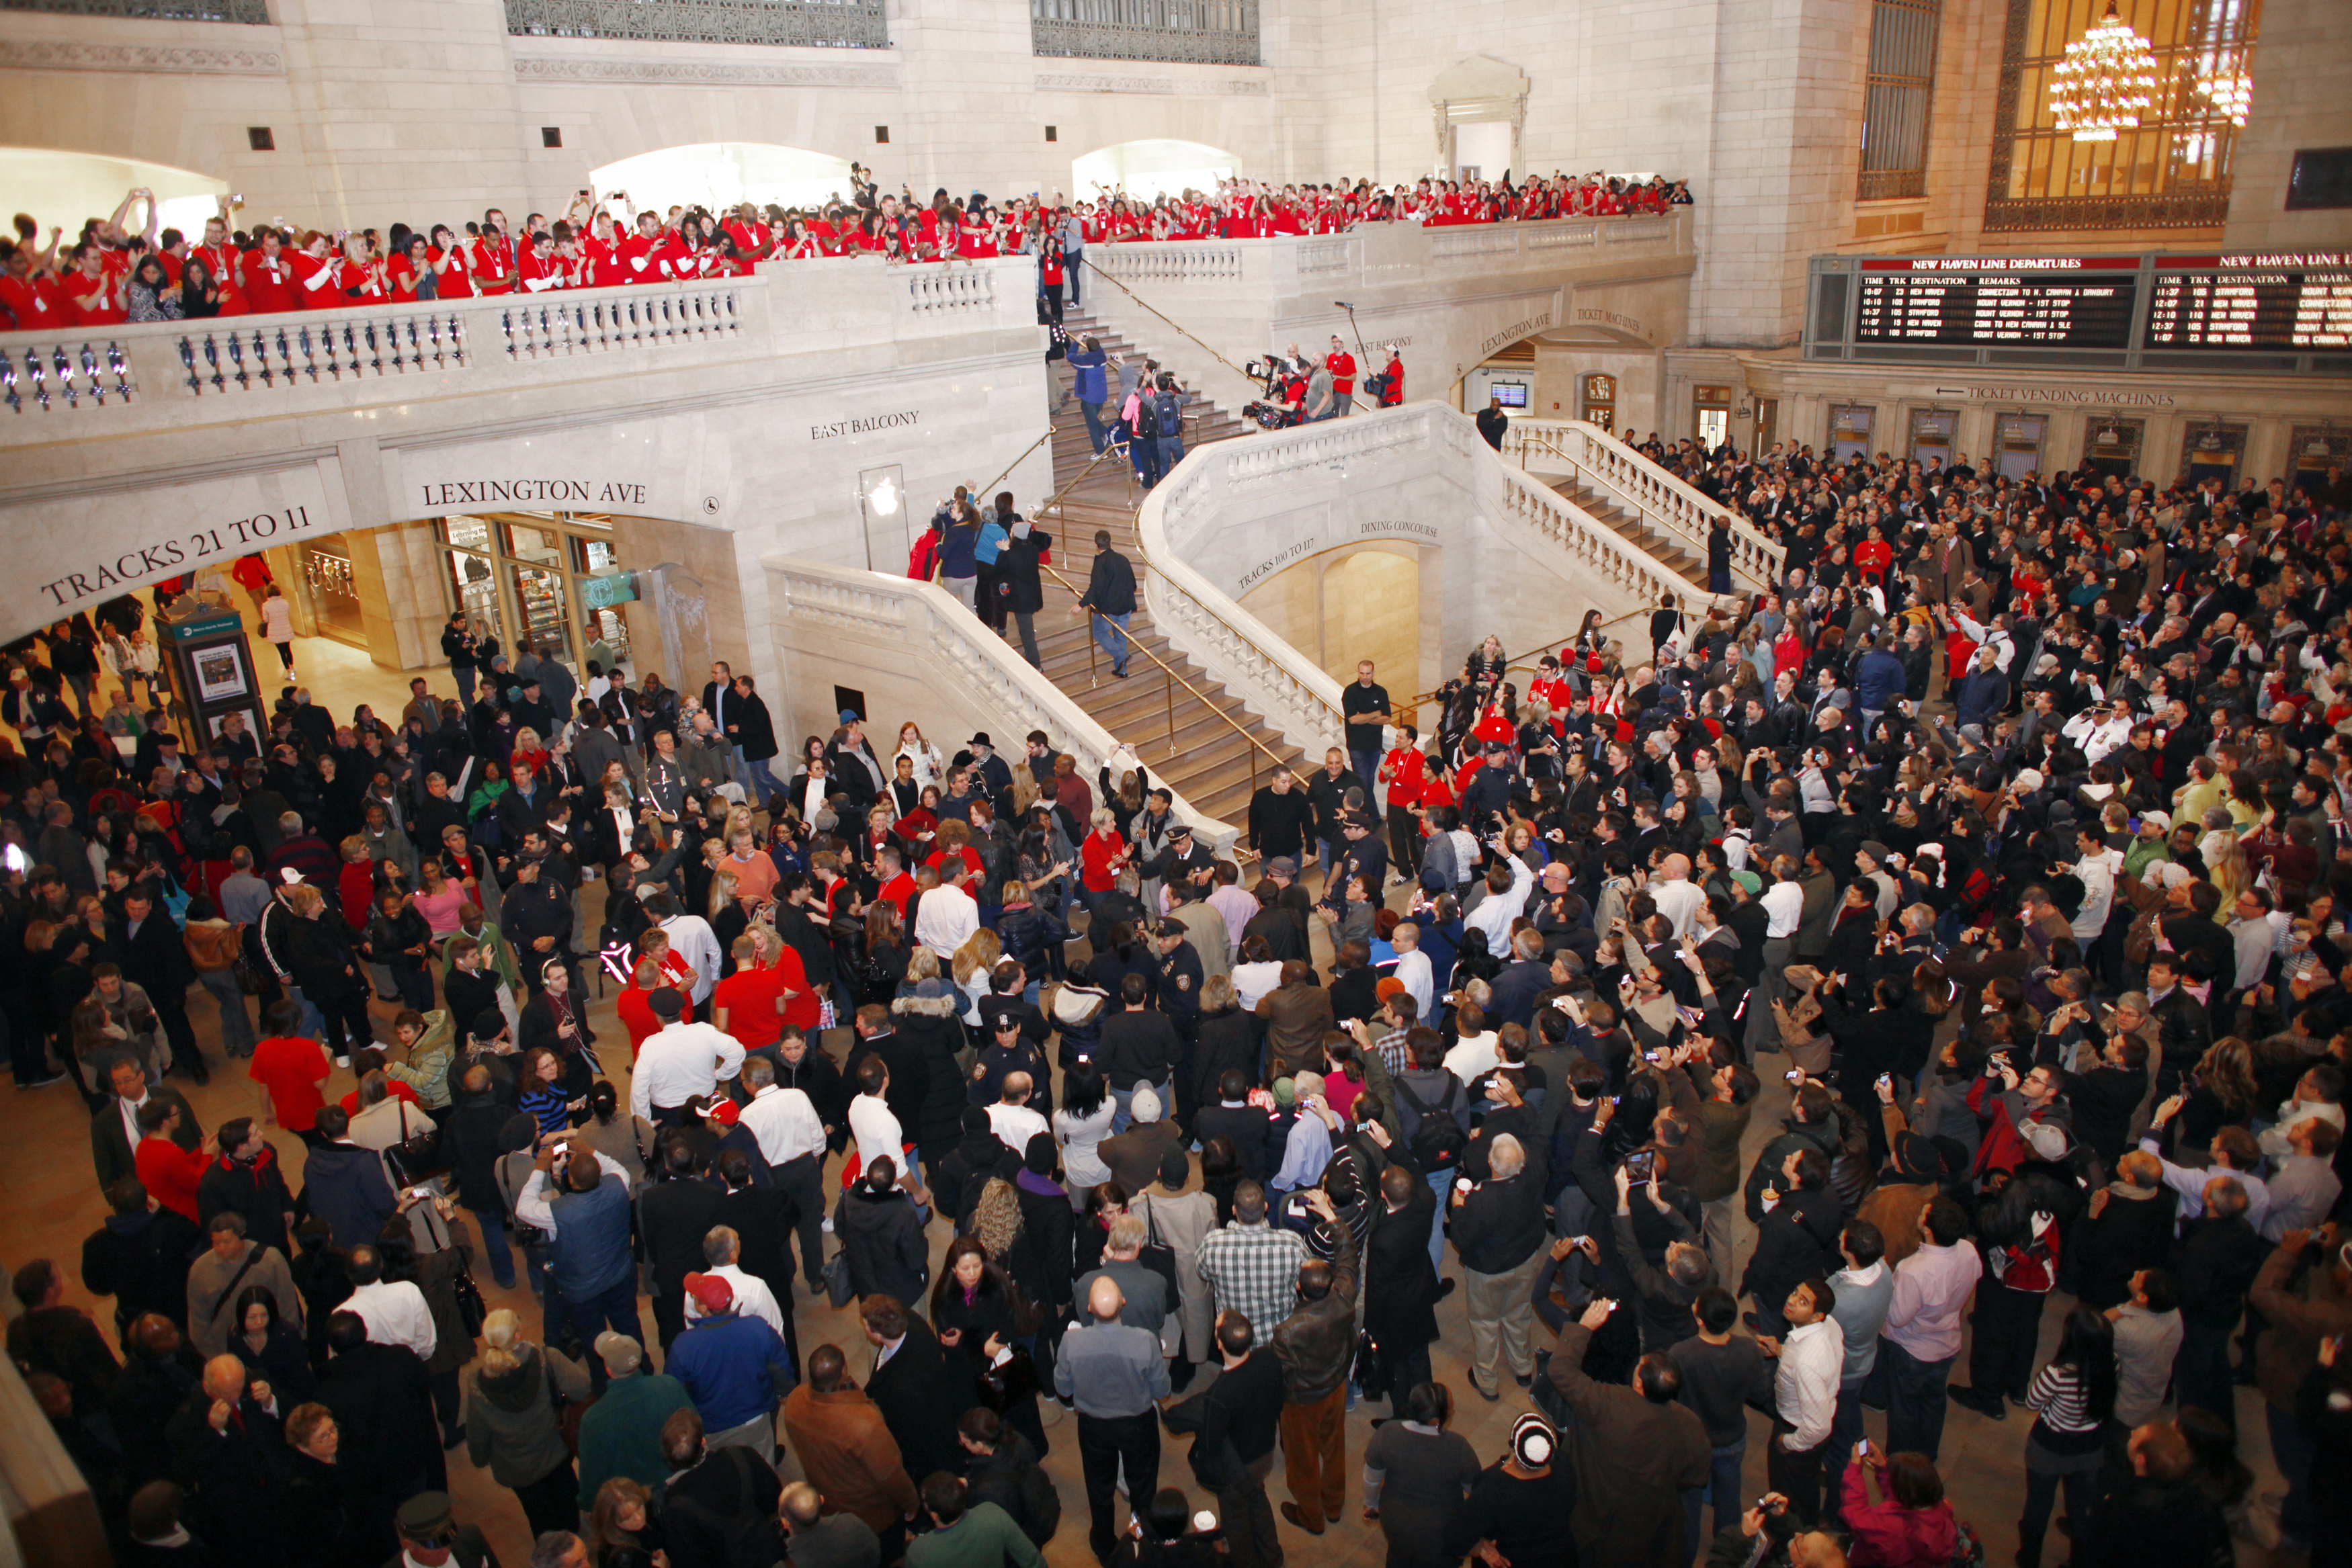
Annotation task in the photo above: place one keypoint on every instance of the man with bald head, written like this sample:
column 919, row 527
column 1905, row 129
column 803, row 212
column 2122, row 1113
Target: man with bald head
column 228, row 1447
column 1678, row 897
column 1114, row 1375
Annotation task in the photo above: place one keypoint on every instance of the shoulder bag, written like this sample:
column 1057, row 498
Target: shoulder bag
column 418, row 1157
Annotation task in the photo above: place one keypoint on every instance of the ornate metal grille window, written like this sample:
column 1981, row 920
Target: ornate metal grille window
column 1202, row 32
column 250, row 13
column 2171, row 171
column 1898, row 93
column 824, row 24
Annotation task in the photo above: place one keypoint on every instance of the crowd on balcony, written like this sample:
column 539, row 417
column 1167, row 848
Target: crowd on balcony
column 124, row 267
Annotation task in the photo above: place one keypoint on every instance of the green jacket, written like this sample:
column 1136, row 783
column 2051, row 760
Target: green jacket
column 427, row 1070
column 620, row 1434
column 985, row 1537
column 498, row 953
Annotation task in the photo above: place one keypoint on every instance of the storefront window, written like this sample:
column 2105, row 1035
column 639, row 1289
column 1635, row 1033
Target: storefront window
column 1850, row 432
column 527, row 575
column 1711, row 416
column 332, row 591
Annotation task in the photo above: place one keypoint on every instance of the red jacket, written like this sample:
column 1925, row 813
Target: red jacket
column 171, row 1174
column 1888, row 1535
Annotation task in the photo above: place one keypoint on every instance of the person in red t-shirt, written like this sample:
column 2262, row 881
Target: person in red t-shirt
column 490, row 255
column 603, row 264
column 750, row 1004
column 290, row 1070
column 407, row 272
column 268, row 274
column 452, row 281
column 31, row 298
column 1342, row 366
column 167, row 1171
column 1405, row 773
column 1393, row 391
column 540, row 269
column 93, row 291
column 636, row 1012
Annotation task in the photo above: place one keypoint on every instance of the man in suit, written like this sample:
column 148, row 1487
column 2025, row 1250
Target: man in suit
column 673, row 1218
column 913, row 1386
column 229, row 1447
column 382, row 1397
column 114, row 1130
column 720, row 701
column 155, row 958
column 1400, row 1285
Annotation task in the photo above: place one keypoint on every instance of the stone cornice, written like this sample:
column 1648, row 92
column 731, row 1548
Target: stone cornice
column 176, row 59
column 1227, row 87
column 601, row 70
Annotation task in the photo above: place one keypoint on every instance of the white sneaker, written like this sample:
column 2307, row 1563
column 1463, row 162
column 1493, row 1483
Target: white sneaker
column 827, row 1225
column 343, row 1061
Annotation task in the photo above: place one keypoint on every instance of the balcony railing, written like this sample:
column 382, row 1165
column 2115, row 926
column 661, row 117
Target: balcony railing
column 1196, row 31
column 816, row 24
column 251, row 13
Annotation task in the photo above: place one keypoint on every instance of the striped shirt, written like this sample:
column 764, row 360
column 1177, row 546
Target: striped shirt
column 2059, row 1397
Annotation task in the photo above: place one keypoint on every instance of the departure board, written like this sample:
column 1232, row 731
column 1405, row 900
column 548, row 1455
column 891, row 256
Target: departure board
column 2060, row 302
column 2238, row 302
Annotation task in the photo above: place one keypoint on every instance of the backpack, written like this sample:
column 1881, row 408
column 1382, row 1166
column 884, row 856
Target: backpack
column 1147, row 418
column 1167, row 413
column 1438, row 1142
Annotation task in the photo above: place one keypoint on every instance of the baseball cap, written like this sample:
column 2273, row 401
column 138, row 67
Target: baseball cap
column 618, row 1352
column 710, row 1292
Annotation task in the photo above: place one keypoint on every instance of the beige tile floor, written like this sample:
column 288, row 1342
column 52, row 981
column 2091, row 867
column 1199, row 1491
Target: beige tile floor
column 50, row 1202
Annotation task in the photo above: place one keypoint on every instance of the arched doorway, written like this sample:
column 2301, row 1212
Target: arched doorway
column 720, row 174
column 67, row 188
column 1360, row 601
column 1150, row 168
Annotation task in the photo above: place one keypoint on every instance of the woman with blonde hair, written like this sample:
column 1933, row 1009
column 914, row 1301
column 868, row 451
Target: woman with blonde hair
column 511, row 1426
column 971, row 966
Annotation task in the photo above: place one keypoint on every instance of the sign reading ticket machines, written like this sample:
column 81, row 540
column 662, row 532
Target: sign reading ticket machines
column 213, row 671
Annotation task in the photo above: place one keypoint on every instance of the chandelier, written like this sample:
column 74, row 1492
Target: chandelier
column 2104, row 83
column 2228, row 88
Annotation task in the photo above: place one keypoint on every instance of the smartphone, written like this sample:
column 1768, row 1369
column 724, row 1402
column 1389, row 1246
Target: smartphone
column 1795, row 1075
column 1887, row 1080
column 1639, row 1166
column 420, row 1192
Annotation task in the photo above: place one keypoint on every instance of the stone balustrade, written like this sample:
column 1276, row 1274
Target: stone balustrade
column 1664, row 502
column 131, row 377
column 918, row 653
column 1235, row 513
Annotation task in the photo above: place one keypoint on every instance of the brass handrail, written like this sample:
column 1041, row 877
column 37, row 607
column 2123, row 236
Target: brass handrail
column 1135, row 646
column 1139, row 300
column 1009, row 467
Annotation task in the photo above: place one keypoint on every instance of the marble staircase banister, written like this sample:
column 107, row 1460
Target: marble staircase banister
column 1665, row 501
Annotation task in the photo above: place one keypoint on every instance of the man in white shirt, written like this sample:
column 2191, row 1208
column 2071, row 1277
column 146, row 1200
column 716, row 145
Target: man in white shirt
column 1501, row 905
column 1678, row 898
column 1805, row 1397
column 946, row 915
column 792, row 1140
column 1784, row 907
column 2095, row 867
column 2236, row 1156
column 2099, row 731
column 1011, row 1118
column 678, row 1061
column 691, row 938
column 2255, row 927
column 721, row 1248
column 1412, row 968
column 872, row 1127
column 395, row 1312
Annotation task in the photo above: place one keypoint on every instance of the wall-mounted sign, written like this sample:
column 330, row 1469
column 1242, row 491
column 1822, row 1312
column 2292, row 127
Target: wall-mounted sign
column 442, row 495
column 904, row 419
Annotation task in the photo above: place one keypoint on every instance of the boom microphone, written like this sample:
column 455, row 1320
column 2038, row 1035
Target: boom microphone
column 1343, row 304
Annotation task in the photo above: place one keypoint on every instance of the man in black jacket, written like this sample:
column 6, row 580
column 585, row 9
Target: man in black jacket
column 1109, row 599
column 1498, row 1229
column 912, row 1383
column 673, row 1217
column 382, row 1397
column 1233, row 1424
column 155, row 959
column 475, row 1139
column 1797, row 1238
column 1250, row 1128
column 140, row 1257
column 1400, row 1285
column 2214, row 1264
column 248, row 1178
column 1316, row 1345
column 228, row 1449
column 1279, row 816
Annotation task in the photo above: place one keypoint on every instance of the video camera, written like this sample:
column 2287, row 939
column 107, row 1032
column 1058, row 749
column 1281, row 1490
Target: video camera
column 1268, row 411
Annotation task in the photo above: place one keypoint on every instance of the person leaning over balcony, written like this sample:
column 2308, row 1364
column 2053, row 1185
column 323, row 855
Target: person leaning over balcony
column 1110, row 596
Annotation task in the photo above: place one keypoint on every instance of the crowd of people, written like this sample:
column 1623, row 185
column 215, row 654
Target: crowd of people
column 2039, row 943
column 126, row 266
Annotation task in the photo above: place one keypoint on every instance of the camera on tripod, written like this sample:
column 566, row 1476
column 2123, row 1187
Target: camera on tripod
column 1270, row 410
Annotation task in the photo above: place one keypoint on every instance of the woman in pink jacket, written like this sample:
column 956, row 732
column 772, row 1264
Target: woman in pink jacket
column 1912, row 1526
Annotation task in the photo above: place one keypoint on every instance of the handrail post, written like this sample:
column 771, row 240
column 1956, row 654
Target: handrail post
column 1168, row 684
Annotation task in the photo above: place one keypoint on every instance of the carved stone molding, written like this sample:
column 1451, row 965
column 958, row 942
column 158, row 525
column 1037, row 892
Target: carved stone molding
column 702, row 73
column 51, row 55
column 1166, row 86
